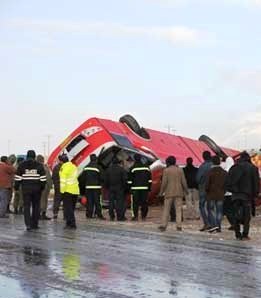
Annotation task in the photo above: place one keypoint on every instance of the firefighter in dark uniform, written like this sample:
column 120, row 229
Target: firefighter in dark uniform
column 31, row 176
column 140, row 184
column 116, row 183
column 92, row 180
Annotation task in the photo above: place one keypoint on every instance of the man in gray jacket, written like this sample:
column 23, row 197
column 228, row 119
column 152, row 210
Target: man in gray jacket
column 174, row 188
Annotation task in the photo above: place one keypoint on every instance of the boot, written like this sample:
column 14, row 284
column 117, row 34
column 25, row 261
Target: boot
column 21, row 210
column 15, row 210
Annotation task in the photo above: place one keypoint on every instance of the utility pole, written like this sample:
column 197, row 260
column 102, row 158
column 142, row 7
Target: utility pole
column 44, row 149
column 48, row 144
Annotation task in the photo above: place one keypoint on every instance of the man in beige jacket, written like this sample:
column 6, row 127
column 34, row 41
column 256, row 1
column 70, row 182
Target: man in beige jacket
column 173, row 188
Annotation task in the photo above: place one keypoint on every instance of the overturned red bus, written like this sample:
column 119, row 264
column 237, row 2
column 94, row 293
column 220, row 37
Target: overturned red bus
column 107, row 138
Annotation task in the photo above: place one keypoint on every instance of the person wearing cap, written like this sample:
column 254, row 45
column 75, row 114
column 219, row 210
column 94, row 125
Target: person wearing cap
column 47, row 189
column 173, row 188
column 243, row 183
column 56, row 183
column 69, row 188
column 91, row 179
column 116, row 183
column 31, row 176
column 7, row 172
column 140, row 185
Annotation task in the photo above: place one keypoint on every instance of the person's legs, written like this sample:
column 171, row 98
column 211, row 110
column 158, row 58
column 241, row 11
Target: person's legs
column 195, row 203
column 120, row 207
column 228, row 210
column 237, row 217
column 90, row 203
column 144, row 203
column 189, row 204
column 98, row 203
column 36, row 197
column 56, row 203
column 9, row 200
column 44, row 202
column 111, row 205
column 219, row 213
column 211, row 213
column 166, row 209
column 135, row 204
column 246, row 218
column 16, row 201
column 27, row 209
column 69, row 205
column 202, row 208
column 178, row 206
column 4, row 199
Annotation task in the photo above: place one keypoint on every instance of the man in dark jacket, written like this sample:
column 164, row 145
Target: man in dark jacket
column 31, row 176
column 56, row 183
column 140, row 182
column 201, row 180
column 215, row 189
column 92, row 180
column 243, row 182
column 116, row 183
column 192, row 199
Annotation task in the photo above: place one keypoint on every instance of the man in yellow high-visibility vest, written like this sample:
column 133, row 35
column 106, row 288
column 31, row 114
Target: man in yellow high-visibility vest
column 69, row 188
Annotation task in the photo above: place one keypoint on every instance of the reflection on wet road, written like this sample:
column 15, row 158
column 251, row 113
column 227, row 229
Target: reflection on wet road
column 102, row 261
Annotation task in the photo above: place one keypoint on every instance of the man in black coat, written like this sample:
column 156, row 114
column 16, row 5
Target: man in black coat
column 31, row 176
column 243, row 182
column 140, row 185
column 92, row 180
column 116, row 183
column 192, row 198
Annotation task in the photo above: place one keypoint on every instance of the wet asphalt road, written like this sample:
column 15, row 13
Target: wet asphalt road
column 99, row 260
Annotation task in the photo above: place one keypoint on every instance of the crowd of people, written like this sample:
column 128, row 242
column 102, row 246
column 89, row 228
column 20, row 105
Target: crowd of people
column 217, row 188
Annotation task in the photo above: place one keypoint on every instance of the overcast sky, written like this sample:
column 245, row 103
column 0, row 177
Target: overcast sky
column 194, row 65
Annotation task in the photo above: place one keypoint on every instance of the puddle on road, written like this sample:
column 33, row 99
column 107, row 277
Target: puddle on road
column 12, row 288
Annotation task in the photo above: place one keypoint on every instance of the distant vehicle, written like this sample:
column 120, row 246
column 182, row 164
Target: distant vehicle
column 107, row 139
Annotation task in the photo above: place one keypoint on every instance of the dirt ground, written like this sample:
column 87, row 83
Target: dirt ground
column 189, row 226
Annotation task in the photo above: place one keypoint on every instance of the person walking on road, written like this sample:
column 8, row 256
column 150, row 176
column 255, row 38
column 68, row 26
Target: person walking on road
column 192, row 199
column 92, row 180
column 228, row 203
column 11, row 160
column 215, row 191
column 56, row 183
column 7, row 172
column 31, row 176
column 173, row 188
column 47, row 189
column 243, row 182
column 18, row 196
column 116, row 183
column 69, row 188
column 201, row 180
column 140, row 185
